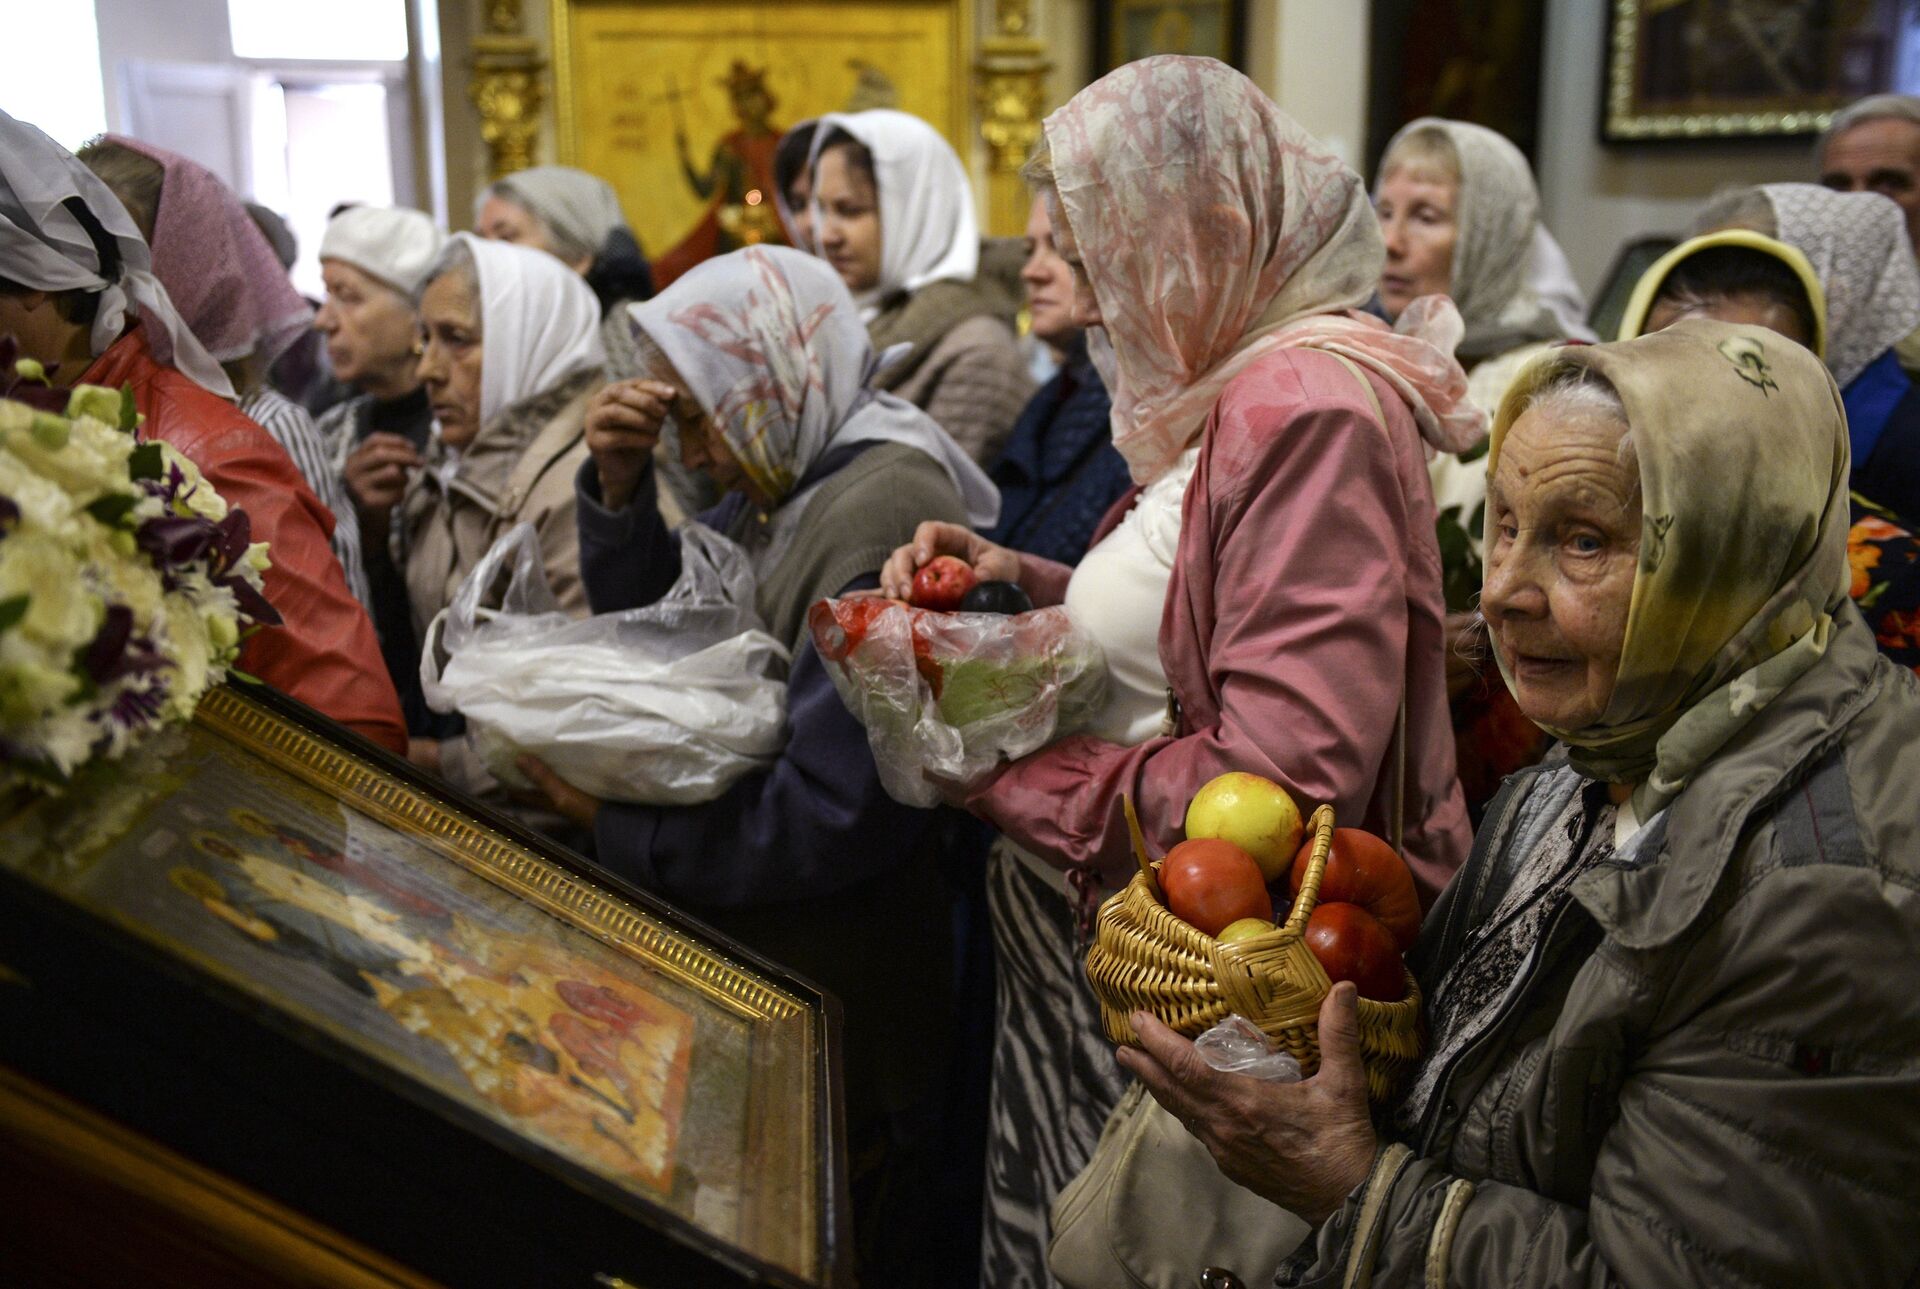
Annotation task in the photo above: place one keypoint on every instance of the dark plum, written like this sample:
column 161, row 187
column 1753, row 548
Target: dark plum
column 996, row 597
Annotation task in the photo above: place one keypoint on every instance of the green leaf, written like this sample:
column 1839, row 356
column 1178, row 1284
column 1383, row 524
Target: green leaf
column 113, row 509
column 13, row 609
column 146, row 462
column 129, row 414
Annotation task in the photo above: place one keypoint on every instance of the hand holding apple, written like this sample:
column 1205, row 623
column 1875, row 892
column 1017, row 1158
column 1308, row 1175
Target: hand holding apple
column 990, row 563
column 941, row 584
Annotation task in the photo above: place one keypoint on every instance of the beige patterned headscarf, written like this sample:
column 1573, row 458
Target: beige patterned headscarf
column 1742, row 443
column 1215, row 230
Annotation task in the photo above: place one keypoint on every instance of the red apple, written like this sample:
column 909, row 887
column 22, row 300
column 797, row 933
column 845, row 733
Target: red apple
column 1352, row 944
column 1211, row 884
column 942, row 583
column 1362, row 869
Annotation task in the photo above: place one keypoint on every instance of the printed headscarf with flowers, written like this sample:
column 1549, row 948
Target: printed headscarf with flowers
column 1742, row 446
column 217, row 265
column 1215, row 230
column 770, row 344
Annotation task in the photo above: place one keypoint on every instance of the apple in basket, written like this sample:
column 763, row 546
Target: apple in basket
column 1352, row 944
column 1362, row 869
column 1255, row 814
column 942, row 583
column 1211, row 884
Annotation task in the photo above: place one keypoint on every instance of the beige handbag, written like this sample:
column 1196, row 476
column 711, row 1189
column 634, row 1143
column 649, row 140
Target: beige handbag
column 1152, row 1209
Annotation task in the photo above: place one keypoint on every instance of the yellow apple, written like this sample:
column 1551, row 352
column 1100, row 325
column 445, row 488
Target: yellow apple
column 1244, row 929
column 1254, row 814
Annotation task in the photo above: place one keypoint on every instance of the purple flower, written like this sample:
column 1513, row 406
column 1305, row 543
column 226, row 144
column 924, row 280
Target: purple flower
column 172, row 540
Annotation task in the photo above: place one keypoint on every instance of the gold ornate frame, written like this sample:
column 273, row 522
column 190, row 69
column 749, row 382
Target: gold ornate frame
column 1626, row 119
column 782, row 1222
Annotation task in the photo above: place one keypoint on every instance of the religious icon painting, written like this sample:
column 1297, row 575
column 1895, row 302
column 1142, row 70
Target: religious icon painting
column 483, row 979
column 681, row 103
column 1717, row 69
column 1127, row 30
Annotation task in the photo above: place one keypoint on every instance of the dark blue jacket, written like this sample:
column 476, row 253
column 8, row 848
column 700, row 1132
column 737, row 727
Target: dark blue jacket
column 815, row 822
column 1059, row 473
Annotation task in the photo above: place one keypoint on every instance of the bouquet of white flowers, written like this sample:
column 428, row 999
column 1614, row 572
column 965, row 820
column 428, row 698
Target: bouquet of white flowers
column 126, row 583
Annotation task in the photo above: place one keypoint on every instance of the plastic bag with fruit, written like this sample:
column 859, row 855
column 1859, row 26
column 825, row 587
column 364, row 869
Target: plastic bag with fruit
column 666, row 704
column 950, row 694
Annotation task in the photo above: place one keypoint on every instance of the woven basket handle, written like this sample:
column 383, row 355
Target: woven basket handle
column 1303, row 905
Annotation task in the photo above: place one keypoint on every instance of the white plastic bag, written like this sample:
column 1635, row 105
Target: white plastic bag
column 666, row 704
column 1237, row 1046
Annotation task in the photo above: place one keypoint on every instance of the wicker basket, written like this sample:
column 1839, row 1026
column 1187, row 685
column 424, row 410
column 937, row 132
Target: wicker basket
column 1144, row 958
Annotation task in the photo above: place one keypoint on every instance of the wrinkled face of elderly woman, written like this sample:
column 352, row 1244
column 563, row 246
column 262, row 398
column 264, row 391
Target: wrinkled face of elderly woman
column 451, row 349
column 1563, row 525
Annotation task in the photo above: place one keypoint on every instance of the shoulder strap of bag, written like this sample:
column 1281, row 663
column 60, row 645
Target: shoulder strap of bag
column 1397, row 753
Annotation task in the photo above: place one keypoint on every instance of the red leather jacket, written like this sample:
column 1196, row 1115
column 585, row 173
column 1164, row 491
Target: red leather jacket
column 325, row 653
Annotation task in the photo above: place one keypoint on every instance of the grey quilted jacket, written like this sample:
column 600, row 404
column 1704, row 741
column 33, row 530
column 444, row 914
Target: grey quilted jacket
column 1712, row 1075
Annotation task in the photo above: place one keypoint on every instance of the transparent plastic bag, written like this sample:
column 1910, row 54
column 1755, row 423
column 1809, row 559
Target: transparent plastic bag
column 667, row 704
column 951, row 695
column 1237, row 1046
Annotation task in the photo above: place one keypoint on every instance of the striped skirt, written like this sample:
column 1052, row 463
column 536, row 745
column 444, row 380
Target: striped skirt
column 1055, row 1080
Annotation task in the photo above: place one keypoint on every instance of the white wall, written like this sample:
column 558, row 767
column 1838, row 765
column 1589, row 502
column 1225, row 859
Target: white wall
column 167, row 31
column 1597, row 197
column 1311, row 57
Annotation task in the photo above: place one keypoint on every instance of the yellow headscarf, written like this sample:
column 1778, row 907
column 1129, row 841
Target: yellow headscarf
column 1742, row 444
column 1647, row 289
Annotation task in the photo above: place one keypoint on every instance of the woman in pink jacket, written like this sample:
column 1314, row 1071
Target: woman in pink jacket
column 1267, row 596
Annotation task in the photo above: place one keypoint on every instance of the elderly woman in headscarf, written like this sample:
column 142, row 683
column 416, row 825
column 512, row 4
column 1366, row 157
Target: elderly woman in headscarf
column 760, row 365
column 1461, row 215
column 892, row 211
column 1671, row 1013
column 1857, row 244
column 576, row 217
column 78, row 292
column 1737, row 275
column 1267, row 596
column 510, row 355
column 223, row 276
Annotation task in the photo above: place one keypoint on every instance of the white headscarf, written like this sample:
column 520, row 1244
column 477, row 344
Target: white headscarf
column 1857, row 243
column 391, row 243
column 45, row 246
column 1551, row 279
column 539, row 322
column 769, row 343
column 579, row 207
column 927, row 228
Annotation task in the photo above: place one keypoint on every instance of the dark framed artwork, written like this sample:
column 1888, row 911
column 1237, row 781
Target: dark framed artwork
column 1126, row 30
column 277, row 951
column 1725, row 69
column 1467, row 60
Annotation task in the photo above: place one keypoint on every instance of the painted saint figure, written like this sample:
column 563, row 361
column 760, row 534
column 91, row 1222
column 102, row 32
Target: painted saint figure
column 738, row 183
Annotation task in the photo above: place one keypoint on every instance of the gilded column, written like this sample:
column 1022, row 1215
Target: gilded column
column 1010, row 88
column 508, row 87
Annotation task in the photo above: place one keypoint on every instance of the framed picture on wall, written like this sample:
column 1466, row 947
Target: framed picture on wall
column 1126, row 30
column 260, row 943
column 1724, row 69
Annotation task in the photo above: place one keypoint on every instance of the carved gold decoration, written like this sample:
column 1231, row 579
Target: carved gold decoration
column 509, row 89
column 1010, row 90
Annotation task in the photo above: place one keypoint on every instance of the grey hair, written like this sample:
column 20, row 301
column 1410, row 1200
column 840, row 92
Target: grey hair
column 454, row 258
column 1581, row 393
column 565, row 248
column 1874, row 107
column 1740, row 207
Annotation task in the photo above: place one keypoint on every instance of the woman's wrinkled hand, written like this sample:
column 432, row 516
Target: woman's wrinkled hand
column 566, row 800
column 376, row 473
column 1306, row 1145
column 990, row 563
column 624, row 420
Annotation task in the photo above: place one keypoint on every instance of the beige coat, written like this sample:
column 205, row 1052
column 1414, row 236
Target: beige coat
column 519, row 468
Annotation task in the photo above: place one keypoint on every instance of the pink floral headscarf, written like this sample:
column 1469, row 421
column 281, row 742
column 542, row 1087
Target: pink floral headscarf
column 1215, row 230
column 217, row 265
